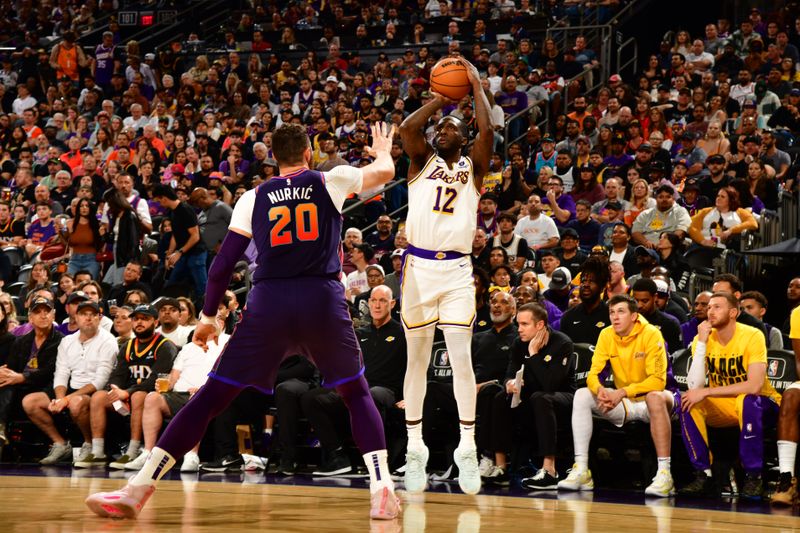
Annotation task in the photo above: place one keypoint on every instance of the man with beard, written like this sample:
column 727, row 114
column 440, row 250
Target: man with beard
column 699, row 315
column 139, row 362
column 588, row 229
column 733, row 358
column 584, row 322
column 666, row 216
column 717, row 179
column 557, row 204
column 617, row 159
column 169, row 312
column 644, row 291
column 579, row 113
column 382, row 239
column 491, row 354
column 570, row 143
column 538, row 230
column 564, row 168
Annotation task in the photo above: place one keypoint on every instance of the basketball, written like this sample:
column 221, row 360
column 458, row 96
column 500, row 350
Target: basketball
column 449, row 78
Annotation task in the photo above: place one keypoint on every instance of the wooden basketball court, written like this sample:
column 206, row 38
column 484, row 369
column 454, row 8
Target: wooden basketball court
column 55, row 504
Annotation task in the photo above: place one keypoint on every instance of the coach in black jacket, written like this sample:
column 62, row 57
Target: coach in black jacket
column 546, row 393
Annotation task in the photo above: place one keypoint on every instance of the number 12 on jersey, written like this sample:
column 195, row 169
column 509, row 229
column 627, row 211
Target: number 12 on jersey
column 306, row 224
column 444, row 202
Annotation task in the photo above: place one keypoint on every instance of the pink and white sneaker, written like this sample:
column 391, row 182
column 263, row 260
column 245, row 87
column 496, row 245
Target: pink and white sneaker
column 124, row 503
column 384, row 505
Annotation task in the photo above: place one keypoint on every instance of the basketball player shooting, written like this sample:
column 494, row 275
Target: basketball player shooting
column 296, row 305
column 438, row 289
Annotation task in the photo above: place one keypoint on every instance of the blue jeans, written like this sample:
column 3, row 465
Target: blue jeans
column 193, row 266
column 84, row 262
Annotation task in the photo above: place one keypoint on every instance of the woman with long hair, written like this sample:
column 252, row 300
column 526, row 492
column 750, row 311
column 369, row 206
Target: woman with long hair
column 763, row 185
column 715, row 110
column 714, row 227
column 714, row 141
column 601, row 104
column 126, row 228
column 640, row 200
column 670, row 253
column 9, row 310
column 587, row 187
column 66, row 285
column 604, row 136
column 550, row 51
column 682, row 44
column 642, row 114
column 653, row 72
column 789, row 70
column 40, row 275
column 188, row 314
column 746, row 198
column 659, row 123
column 84, row 239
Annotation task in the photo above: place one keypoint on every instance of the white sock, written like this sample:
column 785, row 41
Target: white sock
column 467, row 435
column 378, row 467
column 415, row 435
column 664, row 463
column 133, row 448
column 787, row 452
column 707, row 471
column 158, row 463
column 582, row 426
column 267, row 431
column 99, row 447
column 459, row 349
column 416, row 378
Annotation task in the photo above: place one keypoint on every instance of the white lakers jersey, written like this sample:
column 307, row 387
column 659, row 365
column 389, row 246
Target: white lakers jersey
column 443, row 206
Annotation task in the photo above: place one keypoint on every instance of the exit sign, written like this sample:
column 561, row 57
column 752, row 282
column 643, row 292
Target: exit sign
column 147, row 18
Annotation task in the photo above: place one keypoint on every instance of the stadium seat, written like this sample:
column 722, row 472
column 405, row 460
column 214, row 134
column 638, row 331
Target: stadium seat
column 14, row 289
column 15, row 255
column 24, row 273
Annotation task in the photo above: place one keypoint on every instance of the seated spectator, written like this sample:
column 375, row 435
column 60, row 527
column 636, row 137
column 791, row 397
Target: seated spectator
column 189, row 372
column 138, row 364
column 670, row 251
column 558, row 205
column 501, row 277
column 587, row 187
column 587, row 228
column 41, row 230
column 169, row 314
column 613, row 191
column 83, row 365
column 515, row 245
column 94, row 292
column 559, row 288
column 616, row 281
column 733, row 358
column 538, row 230
column 382, row 239
column 614, row 212
column 479, row 256
column 188, row 315
column 21, row 373
column 384, row 349
column 131, row 280
column 666, row 216
column 714, row 227
column 639, row 393
column 569, row 254
column 640, row 200
column 548, row 262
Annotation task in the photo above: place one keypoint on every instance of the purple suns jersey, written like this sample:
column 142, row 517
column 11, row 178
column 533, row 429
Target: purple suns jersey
column 296, row 222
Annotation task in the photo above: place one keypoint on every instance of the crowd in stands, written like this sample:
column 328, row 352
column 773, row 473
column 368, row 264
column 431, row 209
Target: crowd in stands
column 120, row 168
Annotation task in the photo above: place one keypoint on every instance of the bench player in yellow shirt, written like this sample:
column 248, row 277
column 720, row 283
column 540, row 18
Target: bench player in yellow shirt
column 733, row 356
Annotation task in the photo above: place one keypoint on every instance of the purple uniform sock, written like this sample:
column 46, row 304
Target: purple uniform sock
column 365, row 420
column 189, row 425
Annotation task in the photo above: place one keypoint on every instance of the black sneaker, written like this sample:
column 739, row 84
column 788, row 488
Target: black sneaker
column 541, row 481
column 702, row 486
column 753, row 487
column 229, row 463
column 287, row 467
column 337, row 464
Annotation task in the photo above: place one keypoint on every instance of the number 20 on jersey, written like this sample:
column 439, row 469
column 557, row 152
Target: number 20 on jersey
column 300, row 224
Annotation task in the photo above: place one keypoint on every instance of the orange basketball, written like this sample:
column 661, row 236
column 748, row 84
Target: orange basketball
column 449, row 78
